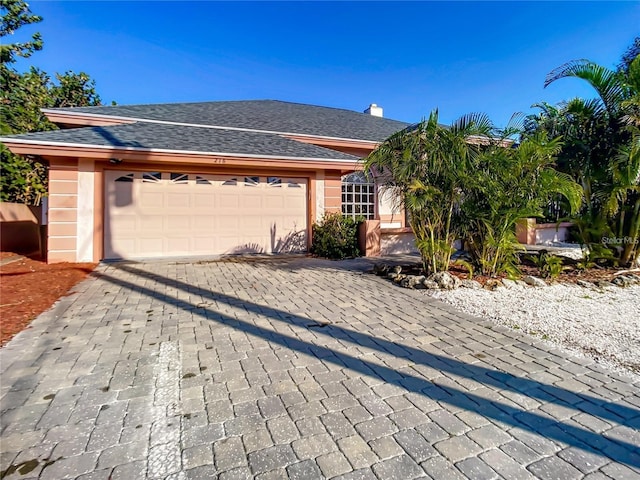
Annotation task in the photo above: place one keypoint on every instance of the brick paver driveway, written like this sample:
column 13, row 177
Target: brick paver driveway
column 297, row 368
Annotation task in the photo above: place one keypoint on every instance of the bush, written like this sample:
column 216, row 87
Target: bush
column 335, row 237
column 549, row 266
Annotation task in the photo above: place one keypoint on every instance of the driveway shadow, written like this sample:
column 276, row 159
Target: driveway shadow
column 568, row 433
column 302, row 262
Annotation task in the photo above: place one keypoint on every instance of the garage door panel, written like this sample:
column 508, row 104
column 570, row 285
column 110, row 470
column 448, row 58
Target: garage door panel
column 296, row 203
column 127, row 222
column 249, row 244
column 274, row 202
column 277, row 228
column 179, row 245
column 227, row 244
column 203, row 244
column 178, row 200
column 205, row 223
column 249, row 223
column 204, row 200
column 121, row 246
column 228, row 224
column 151, row 245
column 228, row 200
column 148, row 222
column 149, row 195
column 121, row 194
column 293, row 242
column 252, row 201
column 178, row 222
column 184, row 214
column 292, row 223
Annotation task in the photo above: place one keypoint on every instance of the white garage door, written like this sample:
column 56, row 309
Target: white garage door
column 158, row 214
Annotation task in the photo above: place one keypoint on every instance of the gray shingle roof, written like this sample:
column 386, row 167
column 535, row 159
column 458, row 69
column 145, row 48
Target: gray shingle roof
column 142, row 135
column 269, row 115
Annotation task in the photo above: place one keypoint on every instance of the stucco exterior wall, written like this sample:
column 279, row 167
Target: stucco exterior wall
column 390, row 212
column 62, row 212
column 86, row 211
column 551, row 232
column 396, row 241
column 332, row 192
column 319, row 194
column 529, row 232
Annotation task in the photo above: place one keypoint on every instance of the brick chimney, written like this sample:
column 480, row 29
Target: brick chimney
column 374, row 110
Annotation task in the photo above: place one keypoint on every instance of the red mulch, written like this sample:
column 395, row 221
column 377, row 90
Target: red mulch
column 28, row 287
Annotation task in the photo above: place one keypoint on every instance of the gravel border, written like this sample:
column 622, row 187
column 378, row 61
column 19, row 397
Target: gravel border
column 603, row 324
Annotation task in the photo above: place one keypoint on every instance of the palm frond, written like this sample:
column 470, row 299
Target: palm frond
column 473, row 124
column 607, row 83
column 516, row 123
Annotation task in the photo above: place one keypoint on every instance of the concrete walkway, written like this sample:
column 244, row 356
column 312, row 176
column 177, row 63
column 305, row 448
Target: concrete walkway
column 11, row 259
column 302, row 369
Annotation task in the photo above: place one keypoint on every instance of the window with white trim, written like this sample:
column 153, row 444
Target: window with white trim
column 251, row 181
column 202, row 181
column 151, row 177
column 232, row 182
column 181, row 178
column 128, row 178
column 358, row 196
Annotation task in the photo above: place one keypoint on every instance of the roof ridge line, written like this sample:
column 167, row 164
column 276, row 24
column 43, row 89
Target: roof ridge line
column 274, row 100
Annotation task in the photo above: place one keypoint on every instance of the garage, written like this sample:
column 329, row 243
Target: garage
column 168, row 214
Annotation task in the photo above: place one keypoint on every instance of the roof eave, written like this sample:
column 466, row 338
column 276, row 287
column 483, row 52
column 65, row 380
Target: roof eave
column 103, row 152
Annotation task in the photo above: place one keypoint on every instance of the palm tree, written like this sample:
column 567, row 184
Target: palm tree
column 631, row 105
column 423, row 167
column 583, row 129
column 505, row 185
column 610, row 169
column 468, row 181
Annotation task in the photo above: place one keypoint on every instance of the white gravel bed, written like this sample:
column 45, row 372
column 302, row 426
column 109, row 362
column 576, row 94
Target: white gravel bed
column 603, row 324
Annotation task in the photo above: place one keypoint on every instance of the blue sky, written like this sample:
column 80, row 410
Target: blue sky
column 409, row 58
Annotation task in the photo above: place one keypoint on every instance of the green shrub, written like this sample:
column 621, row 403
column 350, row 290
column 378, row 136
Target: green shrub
column 465, row 264
column 335, row 237
column 548, row 264
column 553, row 267
column 590, row 230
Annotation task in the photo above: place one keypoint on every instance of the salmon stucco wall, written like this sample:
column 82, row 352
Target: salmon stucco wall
column 318, row 196
column 63, row 212
column 332, row 193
